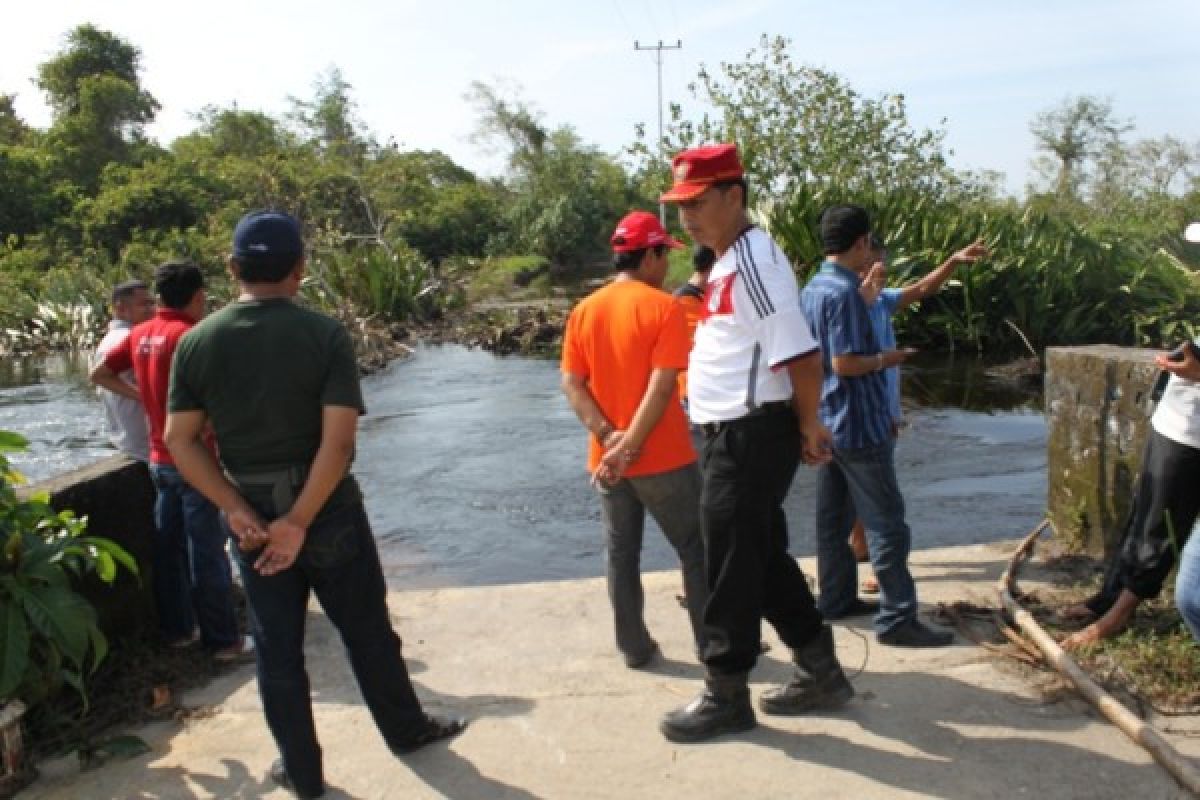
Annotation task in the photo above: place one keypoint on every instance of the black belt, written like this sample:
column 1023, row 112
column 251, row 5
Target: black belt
column 711, row 429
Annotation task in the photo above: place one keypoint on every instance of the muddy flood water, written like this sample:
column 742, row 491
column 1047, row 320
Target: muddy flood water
column 473, row 465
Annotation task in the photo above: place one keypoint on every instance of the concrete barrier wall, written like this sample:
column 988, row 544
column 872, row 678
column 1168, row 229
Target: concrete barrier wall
column 117, row 497
column 1098, row 408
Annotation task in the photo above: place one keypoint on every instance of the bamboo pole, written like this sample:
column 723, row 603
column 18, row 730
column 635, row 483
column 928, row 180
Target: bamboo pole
column 1181, row 768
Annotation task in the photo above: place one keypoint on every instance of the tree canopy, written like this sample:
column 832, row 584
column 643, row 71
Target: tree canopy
column 91, row 200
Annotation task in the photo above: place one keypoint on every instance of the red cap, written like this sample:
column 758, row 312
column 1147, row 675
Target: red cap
column 699, row 168
column 638, row 230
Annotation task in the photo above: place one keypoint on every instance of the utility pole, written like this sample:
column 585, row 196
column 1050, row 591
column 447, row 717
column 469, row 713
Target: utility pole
column 658, row 51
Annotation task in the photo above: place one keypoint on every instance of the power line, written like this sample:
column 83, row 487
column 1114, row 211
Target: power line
column 653, row 17
column 674, row 16
column 658, row 60
column 617, row 7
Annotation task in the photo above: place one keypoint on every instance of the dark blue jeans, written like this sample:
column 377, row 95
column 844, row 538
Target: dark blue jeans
column 339, row 563
column 863, row 480
column 193, row 582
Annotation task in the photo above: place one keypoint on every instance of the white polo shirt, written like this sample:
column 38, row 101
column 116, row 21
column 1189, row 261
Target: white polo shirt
column 127, row 425
column 1178, row 414
column 751, row 325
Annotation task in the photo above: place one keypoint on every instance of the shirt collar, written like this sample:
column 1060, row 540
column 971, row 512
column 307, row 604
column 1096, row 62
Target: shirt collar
column 172, row 313
column 834, row 268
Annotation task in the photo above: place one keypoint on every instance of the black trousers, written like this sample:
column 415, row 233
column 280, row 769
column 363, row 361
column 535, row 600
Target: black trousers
column 1165, row 506
column 748, row 467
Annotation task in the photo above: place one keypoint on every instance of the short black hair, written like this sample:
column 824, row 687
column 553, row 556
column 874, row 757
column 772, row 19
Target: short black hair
column 703, row 258
column 739, row 181
column 632, row 259
column 125, row 289
column 267, row 268
column 842, row 226
column 176, row 283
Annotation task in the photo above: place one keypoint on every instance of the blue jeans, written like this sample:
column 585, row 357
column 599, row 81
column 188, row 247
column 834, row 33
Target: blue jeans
column 1187, row 585
column 339, row 563
column 673, row 499
column 193, row 582
column 863, row 480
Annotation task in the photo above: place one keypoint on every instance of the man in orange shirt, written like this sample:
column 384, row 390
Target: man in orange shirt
column 623, row 347
column 691, row 297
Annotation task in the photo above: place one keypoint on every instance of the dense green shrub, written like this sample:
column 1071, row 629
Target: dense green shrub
column 1055, row 281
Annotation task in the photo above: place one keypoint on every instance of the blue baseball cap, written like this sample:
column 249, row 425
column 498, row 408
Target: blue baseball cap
column 267, row 233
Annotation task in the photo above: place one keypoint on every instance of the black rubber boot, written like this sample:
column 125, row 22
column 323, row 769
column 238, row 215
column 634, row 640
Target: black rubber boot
column 723, row 707
column 819, row 684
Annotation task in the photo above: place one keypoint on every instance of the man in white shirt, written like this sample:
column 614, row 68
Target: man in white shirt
column 1165, row 508
column 754, row 381
column 132, row 304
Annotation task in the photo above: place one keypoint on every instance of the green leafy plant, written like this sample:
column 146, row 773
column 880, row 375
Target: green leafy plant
column 48, row 631
column 1048, row 280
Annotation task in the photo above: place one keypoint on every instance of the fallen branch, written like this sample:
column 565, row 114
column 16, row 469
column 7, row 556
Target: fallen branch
column 1181, row 768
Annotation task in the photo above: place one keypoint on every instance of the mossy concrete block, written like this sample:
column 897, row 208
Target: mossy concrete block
column 117, row 497
column 1098, row 408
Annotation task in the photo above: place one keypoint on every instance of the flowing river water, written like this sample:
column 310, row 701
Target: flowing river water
column 473, row 465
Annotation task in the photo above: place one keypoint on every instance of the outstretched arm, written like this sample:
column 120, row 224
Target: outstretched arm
column 930, row 283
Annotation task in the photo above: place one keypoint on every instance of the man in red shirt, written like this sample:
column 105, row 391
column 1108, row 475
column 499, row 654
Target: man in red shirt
column 623, row 347
column 193, row 582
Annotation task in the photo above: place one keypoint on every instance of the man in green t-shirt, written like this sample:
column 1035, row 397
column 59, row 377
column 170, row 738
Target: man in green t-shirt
column 279, row 386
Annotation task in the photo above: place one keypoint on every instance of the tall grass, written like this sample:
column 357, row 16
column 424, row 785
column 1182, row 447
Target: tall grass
column 373, row 278
column 1055, row 281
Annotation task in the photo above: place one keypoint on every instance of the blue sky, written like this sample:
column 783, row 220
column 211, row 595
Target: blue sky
column 984, row 67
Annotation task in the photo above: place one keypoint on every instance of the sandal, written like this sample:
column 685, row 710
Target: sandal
column 435, row 728
column 869, row 586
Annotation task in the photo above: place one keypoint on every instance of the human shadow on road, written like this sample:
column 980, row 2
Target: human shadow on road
column 937, row 735
column 451, row 775
column 238, row 783
column 673, row 668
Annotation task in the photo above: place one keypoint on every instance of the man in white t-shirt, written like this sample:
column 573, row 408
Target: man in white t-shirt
column 1165, row 508
column 754, row 379
column 132, row 304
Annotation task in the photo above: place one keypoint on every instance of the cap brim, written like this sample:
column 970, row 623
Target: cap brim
column 1192, row 234
column 682, row 192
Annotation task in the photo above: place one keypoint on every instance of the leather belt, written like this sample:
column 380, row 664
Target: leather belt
column 711, row 429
